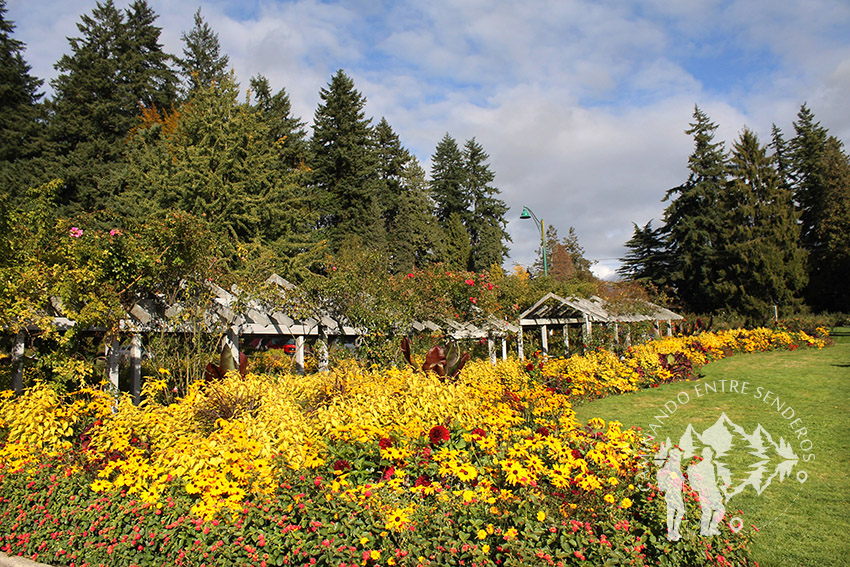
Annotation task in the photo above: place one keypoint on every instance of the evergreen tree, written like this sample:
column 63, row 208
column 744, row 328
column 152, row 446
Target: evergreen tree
column 20, row 112
column 115, row 67
column 647, row 261
column 830, row 258
column 344, row 173
column 214, row 158
column 486, row 215
column 203, row 63
column 693, row 218
column 564, row 257
column 807, row 149
column 447, row 179
column 412, row 230
column 762, row 263
column 457, row 248
column 285, row 130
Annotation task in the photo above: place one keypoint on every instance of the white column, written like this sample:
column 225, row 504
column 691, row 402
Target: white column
column 567, row 340
column 18, row 363
column 136, row 367
column 112, row 361
column 616, row 333
column 544, row 339
column 491, row 351
column 299, row 354
column 520, row 347
column 504, row 348
column 669, row 328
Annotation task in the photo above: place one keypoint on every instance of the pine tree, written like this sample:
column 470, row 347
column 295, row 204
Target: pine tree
column 115, row 68
column 203, row 63
column 214, row 159
column 412, row 230
column 762, row 262
column 693, row 218
column 830, row 259
column 456, row 249
column 486, row 214
column 20, row 112
column 807, row 149
column 647, row 261
column 285, row 130
column 344, row 173
column 447, row 179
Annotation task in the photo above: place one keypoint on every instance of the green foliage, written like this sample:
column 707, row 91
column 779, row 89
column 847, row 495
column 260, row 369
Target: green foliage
column 115, row 66
column 344, row 176
column 761, row 262
column 693, row 218
column 202, row 64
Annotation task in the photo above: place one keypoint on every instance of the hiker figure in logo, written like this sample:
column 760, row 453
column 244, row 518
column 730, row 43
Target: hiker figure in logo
column 702, row 479
column 670, row 482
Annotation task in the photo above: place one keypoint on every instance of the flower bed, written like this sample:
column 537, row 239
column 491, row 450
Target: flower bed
column 356, row 467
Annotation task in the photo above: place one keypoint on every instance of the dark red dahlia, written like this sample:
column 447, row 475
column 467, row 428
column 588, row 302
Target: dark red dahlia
column 342, row 465
column 479, row 432
column 438, row 435
column 385, row 443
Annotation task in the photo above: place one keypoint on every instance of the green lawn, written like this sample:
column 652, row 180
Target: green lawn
column 801, row 524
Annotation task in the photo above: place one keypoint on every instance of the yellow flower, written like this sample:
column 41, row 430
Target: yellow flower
column 511, row 534
column 482, row 534
column 485, row 548
column 625, row 503
column 396, row 519
column 541, row 515
column 375, row 554
column 609, row 498
column 364, row 540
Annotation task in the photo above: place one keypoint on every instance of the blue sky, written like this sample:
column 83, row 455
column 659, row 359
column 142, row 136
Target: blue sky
column 581, row 104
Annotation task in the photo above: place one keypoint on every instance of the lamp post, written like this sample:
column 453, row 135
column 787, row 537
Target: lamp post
column 529, row 214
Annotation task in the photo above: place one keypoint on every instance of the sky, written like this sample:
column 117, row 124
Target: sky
column 582, row 105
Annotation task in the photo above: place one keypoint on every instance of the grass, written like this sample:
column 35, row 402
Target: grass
column 801, row 524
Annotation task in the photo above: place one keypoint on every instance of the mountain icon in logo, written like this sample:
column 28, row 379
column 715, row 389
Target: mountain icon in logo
column 725, row 437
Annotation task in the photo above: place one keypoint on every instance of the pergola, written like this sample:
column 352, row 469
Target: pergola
column 553, row 310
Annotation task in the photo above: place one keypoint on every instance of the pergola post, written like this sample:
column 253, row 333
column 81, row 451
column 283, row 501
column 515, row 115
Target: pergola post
column 588, row 331
column 504, row 348
column 669, row 328
column 136, row 367
column 520, row 347
column 544, row 339
column 616, row 333
column 18, row 363
column 629, row 336
column 231, row 342
column 299, row 354
column 112, row 361
column 567, row 339
column 491, row 350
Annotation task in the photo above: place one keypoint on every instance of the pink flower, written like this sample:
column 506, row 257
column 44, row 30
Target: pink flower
column 473, row 300
column 115, row 232
column 75, row 232
column 469, row 282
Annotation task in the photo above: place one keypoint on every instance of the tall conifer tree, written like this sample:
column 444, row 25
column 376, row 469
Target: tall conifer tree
column 344, row 172
column 486, row 215
column 115, row 68
column 20, row 112
column 447, row 178
column 647, row 261
column 203, row 63
column 761, row 262
column 693, row 218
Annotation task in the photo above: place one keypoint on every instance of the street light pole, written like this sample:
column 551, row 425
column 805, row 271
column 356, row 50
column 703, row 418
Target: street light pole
column 529, row 214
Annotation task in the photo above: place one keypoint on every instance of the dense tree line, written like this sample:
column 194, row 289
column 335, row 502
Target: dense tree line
column 754, row 226
column 133, row 132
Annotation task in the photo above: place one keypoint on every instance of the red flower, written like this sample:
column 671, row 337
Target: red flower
column 469, row 282
column 479, row 432
column 342, row 465
column 385, row 442
column 543, row 430
column 438, row 435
